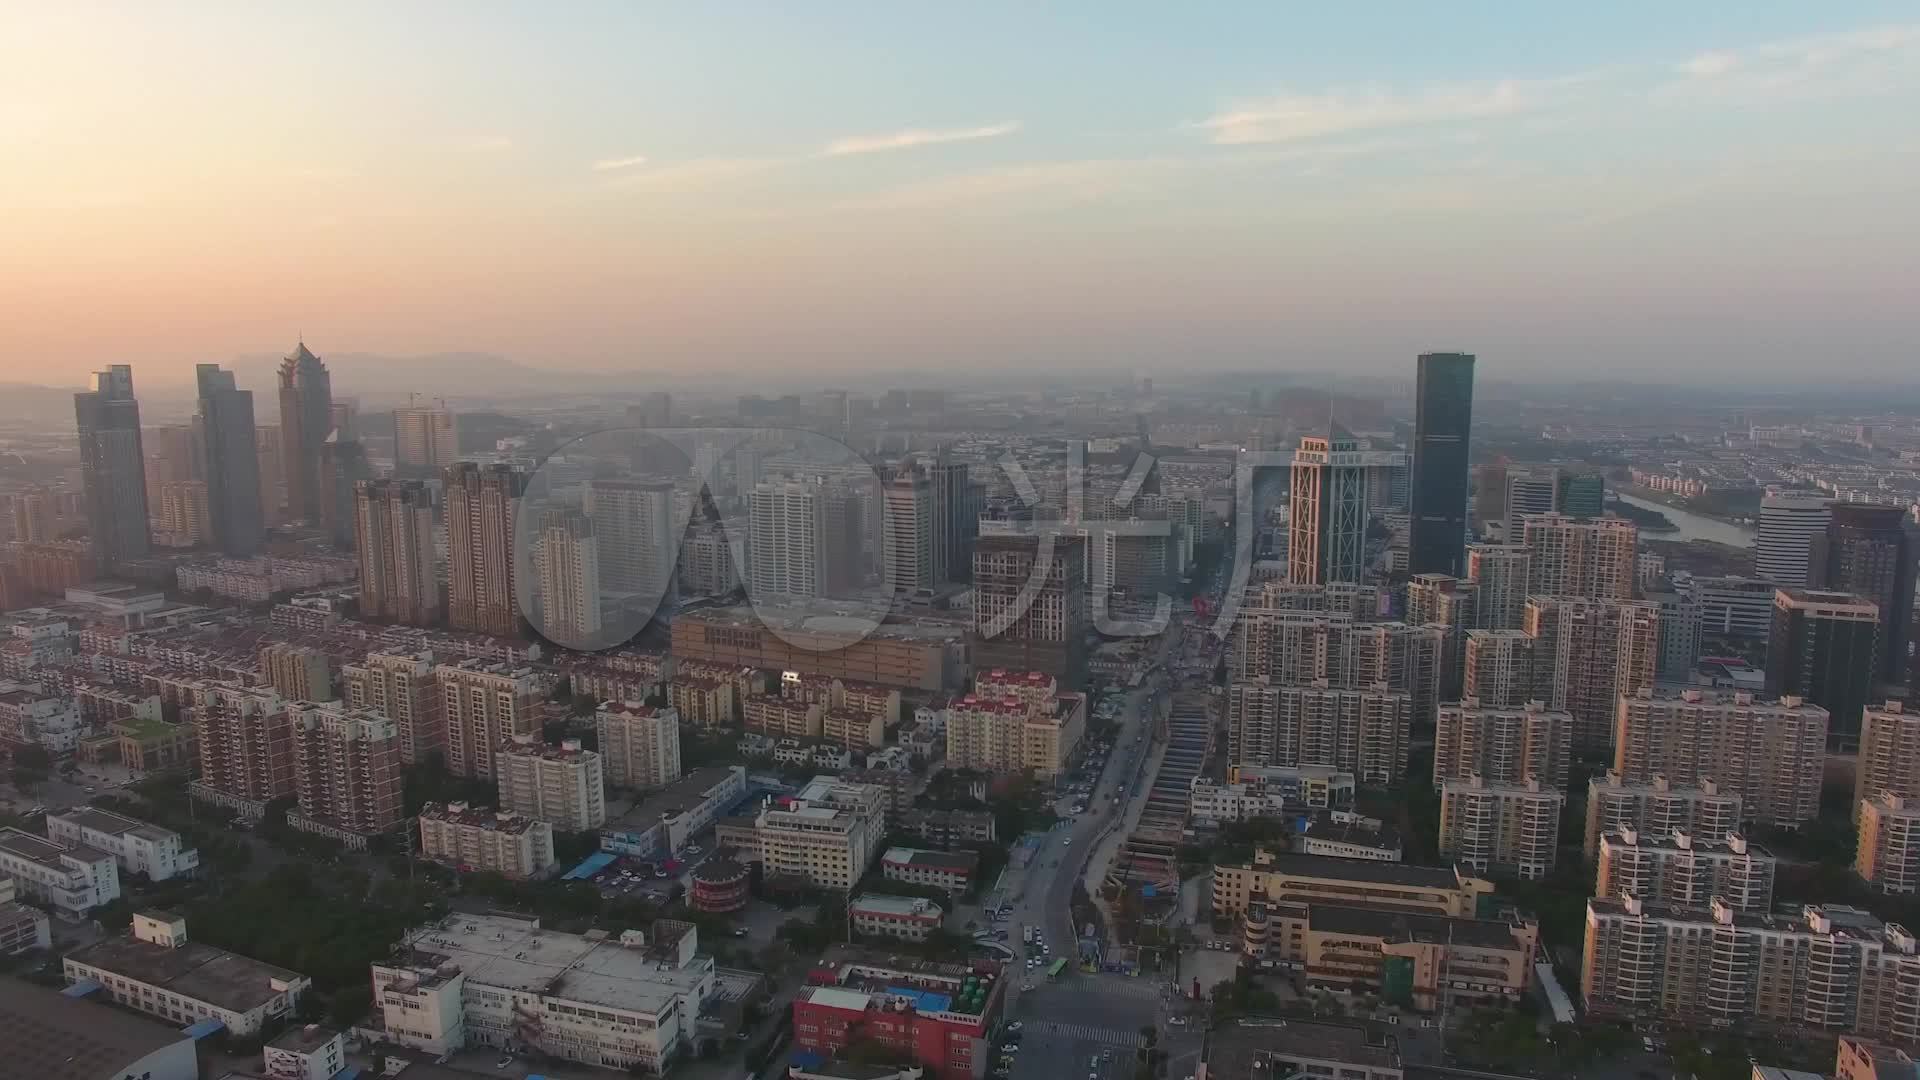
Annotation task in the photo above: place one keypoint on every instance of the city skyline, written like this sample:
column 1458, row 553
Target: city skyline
column 850, row 191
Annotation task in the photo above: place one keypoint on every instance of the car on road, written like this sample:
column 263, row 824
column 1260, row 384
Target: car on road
column 503, row 1062
column 1027, row 986
column 1016, row 1027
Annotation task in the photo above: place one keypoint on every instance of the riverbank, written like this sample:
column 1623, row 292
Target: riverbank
column 1649, row 521
column 1688, row 524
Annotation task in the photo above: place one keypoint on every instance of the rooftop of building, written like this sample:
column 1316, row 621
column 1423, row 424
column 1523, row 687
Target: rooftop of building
column 478, row 817
column 679, row 797
column 1233, row 1049
column 828, row 618
column 899, row 907
column 195, row 970
column 962, row 862
column 1843, row 921
column 106, row 821
column 1327, row 867
column 1351, row 829
column 532, row 746
column 46, row 852
column 516, row 954
column 1680, row 840
column 304, row 1039
column 1409, row 926
column 50, row 1036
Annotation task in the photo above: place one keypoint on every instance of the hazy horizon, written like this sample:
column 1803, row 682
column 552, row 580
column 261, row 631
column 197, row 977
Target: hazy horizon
column 1637, row 192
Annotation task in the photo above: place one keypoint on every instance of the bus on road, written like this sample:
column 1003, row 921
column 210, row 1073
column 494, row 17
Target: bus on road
column 1054, row 969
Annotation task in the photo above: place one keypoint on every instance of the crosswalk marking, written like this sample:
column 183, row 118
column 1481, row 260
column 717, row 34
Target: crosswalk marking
column 1087, row 1032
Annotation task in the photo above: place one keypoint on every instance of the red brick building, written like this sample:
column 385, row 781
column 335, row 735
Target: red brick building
column 939, row 1014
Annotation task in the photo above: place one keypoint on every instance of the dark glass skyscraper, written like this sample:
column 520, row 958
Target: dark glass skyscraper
column 112, row 467
column 1822, row 647
column 1443, row 413
column 225, row 425
column 1866, row 551
column 306, row 419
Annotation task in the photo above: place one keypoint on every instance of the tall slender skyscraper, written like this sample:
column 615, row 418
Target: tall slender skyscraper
column 225, row 423
column 909, row 530
column 1866, row 551
column 805, row 539
column 306, row 419
column 112, row 467
column 1443, row 416
column 343, row 463
column 1327, row 530
column 1822, row 647
column 566, row 565
column 482, row 503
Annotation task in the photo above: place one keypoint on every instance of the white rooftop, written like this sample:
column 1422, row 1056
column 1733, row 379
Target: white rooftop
column 515, row 954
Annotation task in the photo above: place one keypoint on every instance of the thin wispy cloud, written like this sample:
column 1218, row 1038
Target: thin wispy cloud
column 619, row 164
column 695, row 172
column 1862, row 61
column 1709, row 64
column 1296, row 117
column 1068, row 180
column 907, row 140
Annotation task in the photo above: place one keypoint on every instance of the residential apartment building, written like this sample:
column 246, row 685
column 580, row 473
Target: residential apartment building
column 1887, row 850
column 140, row 848
column 70, row 879
column 346, row 769
column 1828, row 967
column 1363, row 731
column 564, row 786
column 1509, row 828
column 639, row 744
column 1682, row 870
column 702, row 701
column 1501, row 575
column 1023, row 628
column 781, row 718
column 1770, row 754
column 157, row 970
column 22, row 928
column 1498, row 668
column 828, row 833
column 246, row 749
column 481, row 504
column 485, row 704
column 297, row 672
column 403, row 688
column 1505, row 746
column 393, row 523
column 1014, row 733
column 1590, row 558
column 1657, row 807
column 480, row 838
column 1317, row 879
column 1587, row 653
column 1889, row 753
column 629, row 1002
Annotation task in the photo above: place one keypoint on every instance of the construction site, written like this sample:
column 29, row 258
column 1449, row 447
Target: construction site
column 1142, row 884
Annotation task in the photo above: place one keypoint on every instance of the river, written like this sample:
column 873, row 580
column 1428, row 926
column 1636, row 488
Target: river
column 1693, row 526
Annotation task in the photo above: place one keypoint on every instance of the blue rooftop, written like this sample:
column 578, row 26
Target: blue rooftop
column 590, row 866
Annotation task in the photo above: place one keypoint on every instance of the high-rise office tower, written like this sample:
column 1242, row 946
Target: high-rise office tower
column 342, row 465
column 1823, row 647
column 273, row 474
column 342, row 416
column 225, row 426
column 402, row 688
column 566, row 567
column 112, row 467
column 1770, row 754
column 1571, row 557
column 1789, row 521
column 1030, row 610
column 805, row 538
column 306, row 419
column 1581, row 493
column 346, row 768
column 1866, row 551
column 1500, row 574
column 638, row 531
column 482, row 504
column 908, row 530
column 1327, row 529
column 956, row 517
column 1505, row 746
column 425, row 438
column 1550, row 489
column 1587, row 653
column 1443, row 417
column 655, row 410
column 394, row 541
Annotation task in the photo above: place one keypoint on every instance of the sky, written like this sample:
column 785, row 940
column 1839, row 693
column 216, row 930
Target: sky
column 1703, row 190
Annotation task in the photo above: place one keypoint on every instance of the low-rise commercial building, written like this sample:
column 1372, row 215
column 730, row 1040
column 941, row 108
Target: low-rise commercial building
column 483, row 839
column 909, row 918
column 21, row 927
column 1251, row 791
column 947, row 829
column 497, row 981
column 1427, row 962
column 663, row 822
column 57, row 1036
column 1312, row 878
column 1864, row 1059
column 1342, row 834
column 1296, row 1047
column 935, row 1015
column 827, row 834
column 139, row 847
column 949, row 870
column 307, row 1052
column 157, row 970
column 1681, row 870
column 71, row 879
